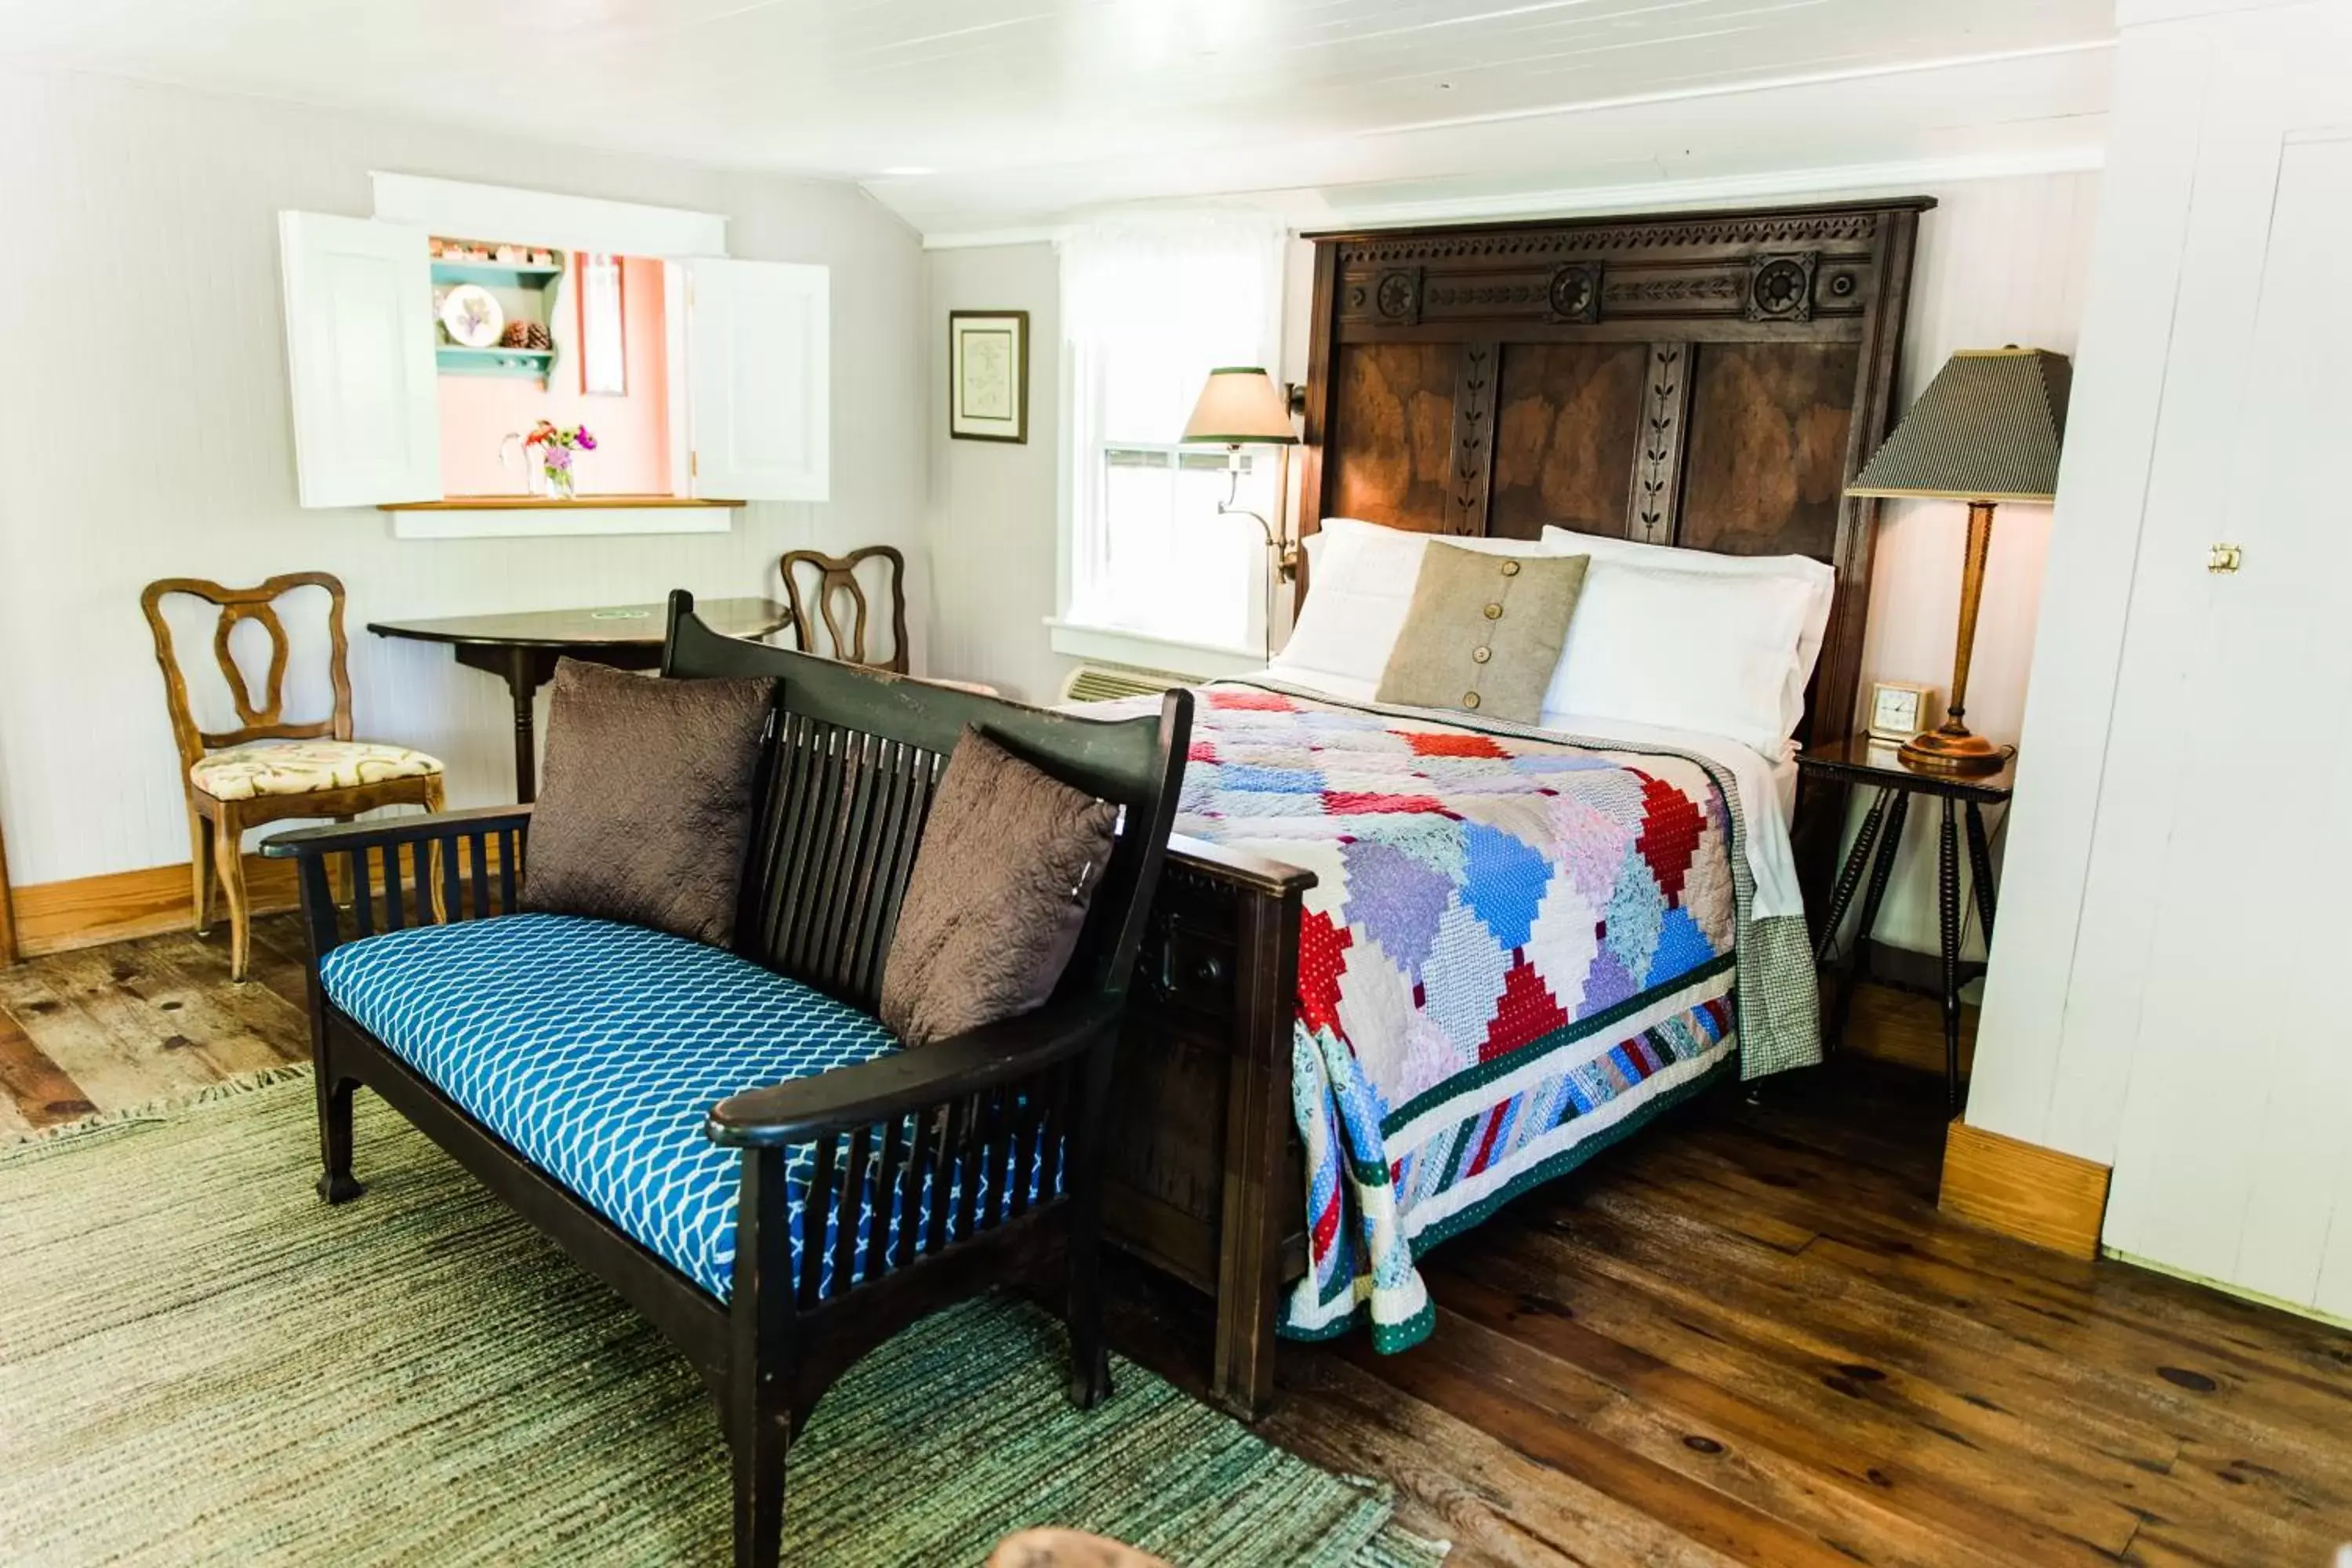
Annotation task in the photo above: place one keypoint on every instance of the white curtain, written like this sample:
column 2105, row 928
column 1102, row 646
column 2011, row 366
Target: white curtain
column 1148, row 307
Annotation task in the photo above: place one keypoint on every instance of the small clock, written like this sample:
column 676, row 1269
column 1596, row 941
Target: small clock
column 1899, row 709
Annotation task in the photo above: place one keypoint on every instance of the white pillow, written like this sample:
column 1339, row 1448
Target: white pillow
column 1359, row 578
column 1684, row 650
column 1818, row 577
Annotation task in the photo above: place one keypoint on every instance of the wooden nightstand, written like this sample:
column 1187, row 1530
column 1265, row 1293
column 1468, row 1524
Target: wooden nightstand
column 1873, row 765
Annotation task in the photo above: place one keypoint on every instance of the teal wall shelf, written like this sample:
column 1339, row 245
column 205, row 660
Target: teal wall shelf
column 538, row 276
column 453, row 360
column 497, row 274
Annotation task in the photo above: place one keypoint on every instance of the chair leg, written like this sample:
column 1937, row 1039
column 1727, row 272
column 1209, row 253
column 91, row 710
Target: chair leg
column 336, row 1183
column 430, row 869
column 1089, row 1361
column 228, row 864
column 200, row 865
column 338, row 880
column 759, row 1450
column 758, row 1404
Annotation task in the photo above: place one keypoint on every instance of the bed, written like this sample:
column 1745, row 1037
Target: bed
column 1405, row 963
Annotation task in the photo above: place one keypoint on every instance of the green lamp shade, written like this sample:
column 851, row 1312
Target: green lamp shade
column 1987, row 428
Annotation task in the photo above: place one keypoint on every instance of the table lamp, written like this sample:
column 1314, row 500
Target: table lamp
column 1240, row 407
column 1985, row 430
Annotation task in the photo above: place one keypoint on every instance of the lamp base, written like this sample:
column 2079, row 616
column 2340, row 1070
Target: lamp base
column 1950, row 749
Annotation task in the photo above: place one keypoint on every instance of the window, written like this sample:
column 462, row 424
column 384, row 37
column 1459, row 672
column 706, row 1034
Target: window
column 541, row 358
column 1149, row 310
column 711, row 372
column 603, row 327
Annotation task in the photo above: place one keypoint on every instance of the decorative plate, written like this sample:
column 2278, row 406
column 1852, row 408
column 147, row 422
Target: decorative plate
column 472, row 315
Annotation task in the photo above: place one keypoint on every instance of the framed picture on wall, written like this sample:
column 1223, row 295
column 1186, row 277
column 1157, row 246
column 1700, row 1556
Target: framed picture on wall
column 988, row 375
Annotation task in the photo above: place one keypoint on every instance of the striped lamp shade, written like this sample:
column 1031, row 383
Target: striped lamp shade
column 1987, row 428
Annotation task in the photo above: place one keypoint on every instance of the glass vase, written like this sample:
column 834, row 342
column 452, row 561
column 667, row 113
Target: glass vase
column 559, row 475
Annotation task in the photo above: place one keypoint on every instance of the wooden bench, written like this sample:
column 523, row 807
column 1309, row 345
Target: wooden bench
column 926, row 1136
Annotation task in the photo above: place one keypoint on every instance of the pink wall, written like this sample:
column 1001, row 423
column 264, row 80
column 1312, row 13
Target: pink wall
column 632, row 455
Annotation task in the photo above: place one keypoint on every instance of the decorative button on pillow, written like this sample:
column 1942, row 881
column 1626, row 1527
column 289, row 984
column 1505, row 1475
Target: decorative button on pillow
column 1484, row 633
column 992, row 910
column 645, row 804
column 1360, row 583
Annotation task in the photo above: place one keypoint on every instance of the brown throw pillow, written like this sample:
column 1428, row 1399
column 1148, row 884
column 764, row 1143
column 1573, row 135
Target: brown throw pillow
column 645, row 803
column 1009, row 859
column 1484, row 632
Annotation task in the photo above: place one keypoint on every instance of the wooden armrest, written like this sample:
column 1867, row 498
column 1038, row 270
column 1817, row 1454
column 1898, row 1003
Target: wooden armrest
column 341, row 835
column 910, row 1080
column 1253, row 870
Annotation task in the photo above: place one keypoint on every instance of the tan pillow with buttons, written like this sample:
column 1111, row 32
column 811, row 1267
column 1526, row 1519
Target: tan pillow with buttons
column 1484, row 633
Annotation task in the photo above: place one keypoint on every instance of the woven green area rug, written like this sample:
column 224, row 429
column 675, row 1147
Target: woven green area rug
column 201, row 1363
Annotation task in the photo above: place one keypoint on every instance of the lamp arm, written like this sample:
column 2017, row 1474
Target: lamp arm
column 1226, row 507
column 1284, row 554
column 1227, row 510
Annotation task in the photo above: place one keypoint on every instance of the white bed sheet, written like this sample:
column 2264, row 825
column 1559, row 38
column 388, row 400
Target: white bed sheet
column 1766, row 785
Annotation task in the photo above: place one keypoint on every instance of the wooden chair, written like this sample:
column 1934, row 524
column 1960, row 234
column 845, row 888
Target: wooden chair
column 835, row 581
column 267, row 769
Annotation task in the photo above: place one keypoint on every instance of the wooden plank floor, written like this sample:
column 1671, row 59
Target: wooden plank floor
column 1752, row 1337
column 103, row 1028
column 1747, row 1336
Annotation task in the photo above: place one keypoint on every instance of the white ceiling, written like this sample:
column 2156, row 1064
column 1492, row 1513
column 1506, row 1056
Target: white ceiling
column 1026, row 108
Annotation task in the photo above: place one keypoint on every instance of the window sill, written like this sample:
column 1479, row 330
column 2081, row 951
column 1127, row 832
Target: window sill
column 535, row 517
column 544, row 503
column 1150, row 650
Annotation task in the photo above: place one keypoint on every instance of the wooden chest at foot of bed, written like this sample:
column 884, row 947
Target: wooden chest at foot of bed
column 1205, row 1178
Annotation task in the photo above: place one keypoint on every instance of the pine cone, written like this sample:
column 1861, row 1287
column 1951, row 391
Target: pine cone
column 525, row 335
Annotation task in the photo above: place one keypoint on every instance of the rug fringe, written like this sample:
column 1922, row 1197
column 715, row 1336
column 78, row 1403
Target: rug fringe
column 158, row 1109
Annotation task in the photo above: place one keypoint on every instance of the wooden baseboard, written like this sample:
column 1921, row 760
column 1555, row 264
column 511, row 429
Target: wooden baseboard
column 2037, row 1195
column 89, row 912
column 54, row 917
column 9, row 952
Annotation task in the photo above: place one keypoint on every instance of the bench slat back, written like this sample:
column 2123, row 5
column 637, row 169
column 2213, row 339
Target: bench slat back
column 844, row 815
column 846, row 789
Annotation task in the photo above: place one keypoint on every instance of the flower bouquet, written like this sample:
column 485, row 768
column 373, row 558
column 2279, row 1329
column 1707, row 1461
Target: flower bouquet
column 552, row 445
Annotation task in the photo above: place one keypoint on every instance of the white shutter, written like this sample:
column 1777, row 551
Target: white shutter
column 759, row 379
column 359, row 359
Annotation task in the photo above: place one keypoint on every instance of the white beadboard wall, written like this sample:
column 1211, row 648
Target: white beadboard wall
column 2001, row 260
column 994, row 507
column 992, row 504
column 144, row 433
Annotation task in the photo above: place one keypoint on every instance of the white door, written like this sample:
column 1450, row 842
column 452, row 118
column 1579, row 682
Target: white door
column 359, row 359
column 2218, row 920
column 759, row 376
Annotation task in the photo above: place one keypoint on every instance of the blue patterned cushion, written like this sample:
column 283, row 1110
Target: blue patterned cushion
column 595, row 1049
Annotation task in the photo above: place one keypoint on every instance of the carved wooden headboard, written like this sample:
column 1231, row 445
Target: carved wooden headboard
column 1709, row 380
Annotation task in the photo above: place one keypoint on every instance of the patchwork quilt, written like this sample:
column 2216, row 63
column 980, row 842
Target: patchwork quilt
column 1517, row 950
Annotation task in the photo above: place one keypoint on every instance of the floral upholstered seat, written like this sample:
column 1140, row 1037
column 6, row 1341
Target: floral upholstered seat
column 304, row 767
column 271, row 766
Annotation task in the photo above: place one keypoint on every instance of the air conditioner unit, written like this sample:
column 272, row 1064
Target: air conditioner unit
column 1101, row 682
